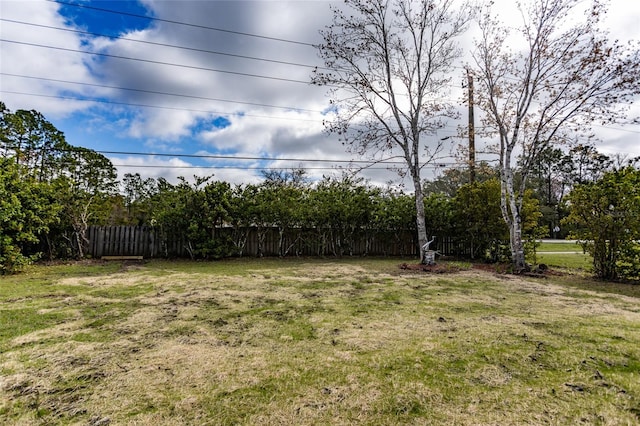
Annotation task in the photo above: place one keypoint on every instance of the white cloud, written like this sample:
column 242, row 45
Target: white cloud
column 186, row 125
column 27, row 59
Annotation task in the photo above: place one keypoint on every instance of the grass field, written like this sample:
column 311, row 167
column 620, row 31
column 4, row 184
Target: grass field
column 556, row 247
column 567, row 255
column 302, row 342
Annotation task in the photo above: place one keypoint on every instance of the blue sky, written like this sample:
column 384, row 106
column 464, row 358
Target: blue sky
column 192, row 90
column 101, row 22
column 159, row 86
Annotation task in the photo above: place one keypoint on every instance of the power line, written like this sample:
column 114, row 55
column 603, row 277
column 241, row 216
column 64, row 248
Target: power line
column 159, row 93
column 152, row 166
column 245, row 158
column 182, row 23
column 139, row 105
column 177, row 65
column 107, row 55
column 103, row 101
column 174, row 94
column 384, row 161
column 220, row 113
column 193, row 49
column 299, row 161
column 202, row 50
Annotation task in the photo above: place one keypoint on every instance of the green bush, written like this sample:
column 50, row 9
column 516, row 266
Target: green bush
column 606, row 216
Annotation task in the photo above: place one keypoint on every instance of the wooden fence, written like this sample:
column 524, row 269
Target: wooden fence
column 253, row 241
column 151, row 242
column 122, row 241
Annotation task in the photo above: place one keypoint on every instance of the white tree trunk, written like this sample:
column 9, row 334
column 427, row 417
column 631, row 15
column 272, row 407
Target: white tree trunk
column 420, row 222
column 509, row 203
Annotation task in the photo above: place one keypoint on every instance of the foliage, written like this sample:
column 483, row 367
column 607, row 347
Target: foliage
column 86, row 191
column 606, row 214
column 193, row 212
column 395, row 211
column 26, row 213
column 33, row 143
column 478, row 220
column 50, row 210
column 388, row 63
column 281, row 201
column 78, row 184
column 393, row 216
column 343, row 208
column 453, row 178
column 566, row 77
column 328, row 216
column 241, row 216
column 137, row 194
column 555, row 172
column 439, row 215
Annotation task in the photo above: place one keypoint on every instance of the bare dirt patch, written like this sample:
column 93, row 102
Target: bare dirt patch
column 437, row 268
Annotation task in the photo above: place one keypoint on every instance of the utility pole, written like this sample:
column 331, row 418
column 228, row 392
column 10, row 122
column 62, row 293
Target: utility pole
column 472, row 131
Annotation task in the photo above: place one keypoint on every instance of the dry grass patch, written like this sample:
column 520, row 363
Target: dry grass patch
column 317, row 342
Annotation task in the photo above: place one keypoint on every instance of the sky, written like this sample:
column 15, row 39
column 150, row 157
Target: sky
column 210, row 87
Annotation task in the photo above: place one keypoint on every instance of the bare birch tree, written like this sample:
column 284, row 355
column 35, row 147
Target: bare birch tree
column 388, row 66
column 547, row 80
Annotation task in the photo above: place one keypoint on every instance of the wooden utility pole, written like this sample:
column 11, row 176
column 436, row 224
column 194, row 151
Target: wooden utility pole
column 472, row 131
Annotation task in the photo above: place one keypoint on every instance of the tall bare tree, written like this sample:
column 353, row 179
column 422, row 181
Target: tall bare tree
column 388, row 66
column 547, row 80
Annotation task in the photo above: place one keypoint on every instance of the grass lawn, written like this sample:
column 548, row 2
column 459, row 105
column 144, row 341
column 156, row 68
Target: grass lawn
column 575, row 261
column 568, row 246
column 301, row 342
column 567, row 255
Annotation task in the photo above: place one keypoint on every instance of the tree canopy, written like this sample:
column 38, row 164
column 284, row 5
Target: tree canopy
column 388, row 65
column 606, row 217
column 544, row 80
column 53, row 189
